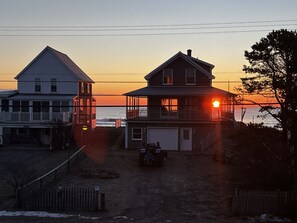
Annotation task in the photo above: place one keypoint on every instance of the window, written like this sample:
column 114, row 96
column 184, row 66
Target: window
column 81, row 104
column 37, row 85
column 53, row 85
column 24, row 106
column 36, row 106
column 90, row 89
column 167, row 76
column 65, row 106
column 82, row 87
column 45, row 106
column 190, row 76
column 86, row 87
column 5, row 105
column 16, row 106
column 169, row 107
column 56, row 106
column 137, row 134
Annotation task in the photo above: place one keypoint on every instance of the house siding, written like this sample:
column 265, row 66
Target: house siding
column 204, row 135
column 46, row 68
column 179, row 67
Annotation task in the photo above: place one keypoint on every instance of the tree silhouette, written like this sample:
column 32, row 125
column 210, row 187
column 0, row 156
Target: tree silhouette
column 272, row 73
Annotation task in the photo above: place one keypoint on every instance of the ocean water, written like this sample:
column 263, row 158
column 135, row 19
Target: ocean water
column 106, row 116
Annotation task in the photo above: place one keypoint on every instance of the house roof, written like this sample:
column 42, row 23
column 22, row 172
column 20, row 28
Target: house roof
column 42, row 97
column 66, row 61
column 7, row 93
column 178, row 91
column 193, row 61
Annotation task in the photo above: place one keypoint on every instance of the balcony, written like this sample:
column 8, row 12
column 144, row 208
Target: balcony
column 35, row 117
column 142, row 113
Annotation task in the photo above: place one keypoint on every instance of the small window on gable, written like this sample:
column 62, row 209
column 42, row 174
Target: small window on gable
column 137, row 134
column 53, row 85
column 37, row 85
column 167, row 76
column 190, row 76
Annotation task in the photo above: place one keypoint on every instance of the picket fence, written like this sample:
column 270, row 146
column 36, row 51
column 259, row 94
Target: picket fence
column 280, row 203
column 63, row 199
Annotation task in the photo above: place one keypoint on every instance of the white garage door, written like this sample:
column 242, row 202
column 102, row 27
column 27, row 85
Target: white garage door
column 168, row 137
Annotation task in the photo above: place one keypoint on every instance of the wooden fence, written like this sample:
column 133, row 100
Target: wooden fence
column 62, row 199
column 52, row 175
column 37, row 196
column 280, row 203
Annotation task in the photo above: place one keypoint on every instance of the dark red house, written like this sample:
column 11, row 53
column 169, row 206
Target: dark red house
column 179, row 107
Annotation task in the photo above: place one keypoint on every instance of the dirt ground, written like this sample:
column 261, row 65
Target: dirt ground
column 187, row 188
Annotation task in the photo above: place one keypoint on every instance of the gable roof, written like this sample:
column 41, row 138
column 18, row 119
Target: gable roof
column 65, row 60
column 191, row 60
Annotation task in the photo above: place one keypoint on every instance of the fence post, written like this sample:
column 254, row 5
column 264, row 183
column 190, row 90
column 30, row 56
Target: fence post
column 19, row 197
column 103, row 204
column 97, row 201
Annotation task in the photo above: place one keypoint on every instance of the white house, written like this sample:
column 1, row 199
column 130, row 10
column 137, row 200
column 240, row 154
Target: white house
column 47, row 89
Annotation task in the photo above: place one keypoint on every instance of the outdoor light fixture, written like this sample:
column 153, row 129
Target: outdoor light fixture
column 216, row 104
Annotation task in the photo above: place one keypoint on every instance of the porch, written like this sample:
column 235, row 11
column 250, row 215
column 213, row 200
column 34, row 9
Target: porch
column 34, row 117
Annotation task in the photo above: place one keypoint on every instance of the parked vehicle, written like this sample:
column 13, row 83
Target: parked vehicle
column 151, row 155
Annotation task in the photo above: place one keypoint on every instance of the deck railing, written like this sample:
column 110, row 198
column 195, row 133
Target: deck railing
column 34, row 117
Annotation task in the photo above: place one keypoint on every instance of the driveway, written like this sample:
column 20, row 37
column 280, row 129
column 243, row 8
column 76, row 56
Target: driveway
column 188, row 188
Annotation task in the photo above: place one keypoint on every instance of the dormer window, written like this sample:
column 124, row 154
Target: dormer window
column 167, row 76
column 190, row 76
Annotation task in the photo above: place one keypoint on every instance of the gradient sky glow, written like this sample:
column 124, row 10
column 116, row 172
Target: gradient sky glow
column 107, row 58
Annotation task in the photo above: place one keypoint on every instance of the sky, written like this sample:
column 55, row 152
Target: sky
column 133, row 37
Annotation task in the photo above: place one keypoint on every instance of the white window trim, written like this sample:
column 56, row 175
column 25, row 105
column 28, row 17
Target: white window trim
column 141, row 133
column 187, row 76
column 171, row 76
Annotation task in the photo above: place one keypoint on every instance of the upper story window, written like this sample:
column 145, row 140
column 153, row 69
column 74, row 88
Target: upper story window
column 37, row 85
column 167, row 76
column 190, row 76
column 82, row 87
column 53, row 85
column 90, row 88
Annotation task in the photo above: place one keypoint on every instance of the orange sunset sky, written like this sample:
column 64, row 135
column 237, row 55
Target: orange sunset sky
column 118, row 42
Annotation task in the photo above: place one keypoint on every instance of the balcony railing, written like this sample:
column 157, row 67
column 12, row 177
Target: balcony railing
column 159, row 114
column 35, row 117
column 214, row 114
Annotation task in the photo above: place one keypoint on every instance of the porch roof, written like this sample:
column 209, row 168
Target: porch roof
column 178, row 91
column 40, row 97
column 7, row 93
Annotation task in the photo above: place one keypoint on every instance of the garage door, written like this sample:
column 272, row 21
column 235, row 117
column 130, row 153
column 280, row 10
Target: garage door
column 168, row 137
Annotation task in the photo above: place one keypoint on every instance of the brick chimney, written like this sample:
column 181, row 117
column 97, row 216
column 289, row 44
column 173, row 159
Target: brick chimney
column 189, row 51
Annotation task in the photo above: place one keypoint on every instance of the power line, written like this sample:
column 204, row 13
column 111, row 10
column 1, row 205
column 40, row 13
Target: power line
column 139, row 29
column 155, row 25
column 135, row 34
column 111, row 81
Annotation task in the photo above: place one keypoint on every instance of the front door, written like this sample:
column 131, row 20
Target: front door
column 186, row 139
